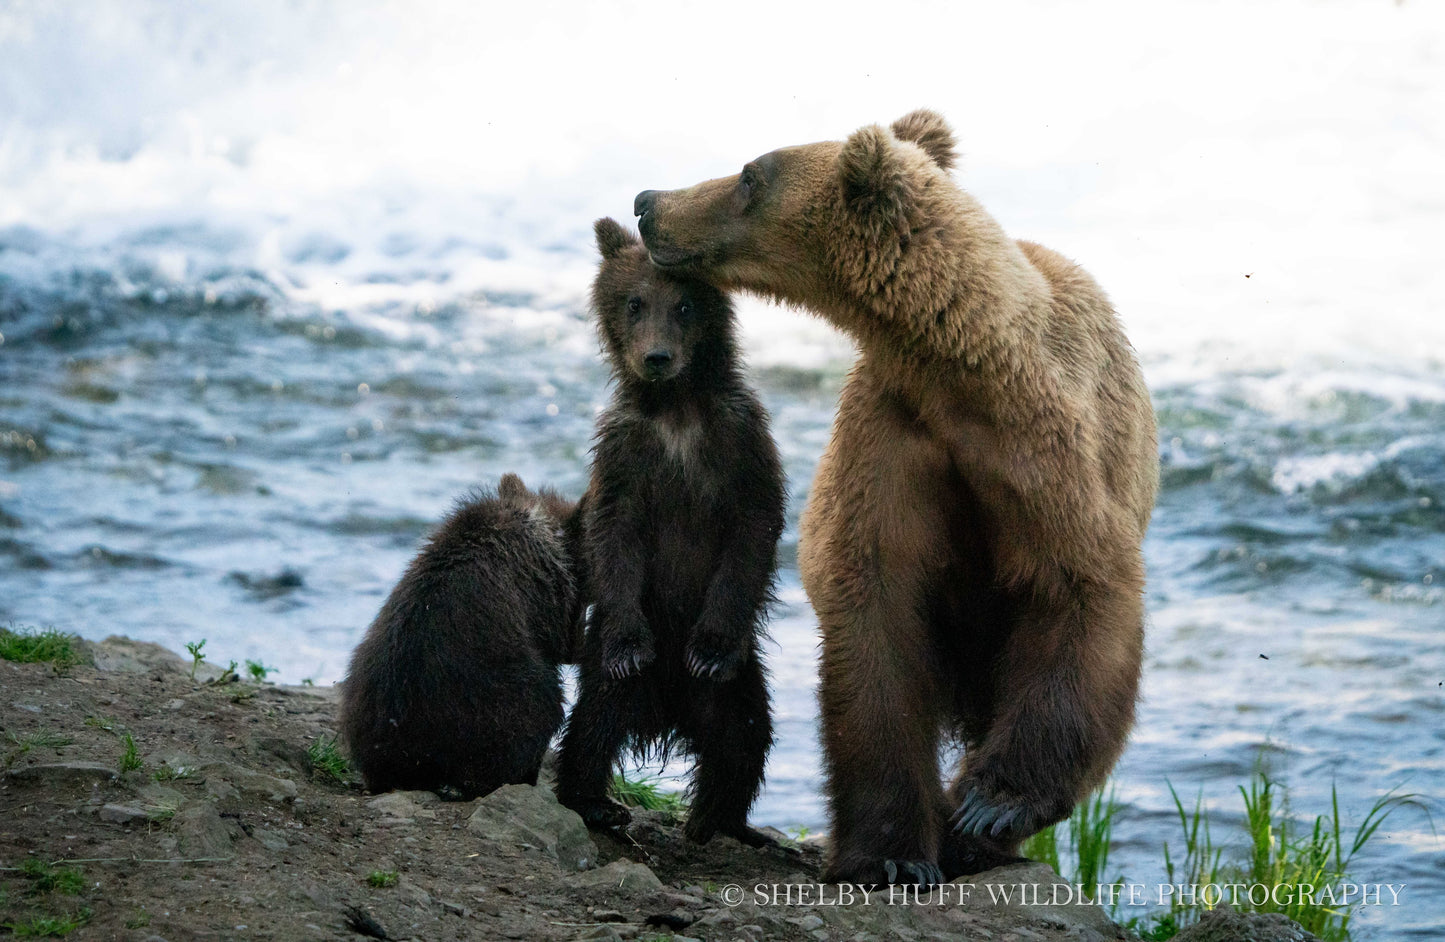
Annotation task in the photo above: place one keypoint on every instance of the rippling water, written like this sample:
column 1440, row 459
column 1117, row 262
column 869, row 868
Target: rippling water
column 253, row 343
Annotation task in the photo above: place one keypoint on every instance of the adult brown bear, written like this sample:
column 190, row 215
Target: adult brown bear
column 972, row 540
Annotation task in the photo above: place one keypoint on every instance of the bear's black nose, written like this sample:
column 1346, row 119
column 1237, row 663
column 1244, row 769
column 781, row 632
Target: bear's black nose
column 657, row 359
column 644, row 202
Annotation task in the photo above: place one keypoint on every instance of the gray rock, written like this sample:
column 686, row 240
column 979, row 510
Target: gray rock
column 200, row 832
column 600, row 934
column 1035, row 891
column 62, row 774
column 135, row 657
column 271, row 840
column 246, row 782
column 400, row 805
column 122, row 814
column 1226, row 925
column 516, row 815
column 622, row 875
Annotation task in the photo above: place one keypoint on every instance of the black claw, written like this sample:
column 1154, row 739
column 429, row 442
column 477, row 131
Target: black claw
column 962, row 809
column 890, row 870
column 1004, row 820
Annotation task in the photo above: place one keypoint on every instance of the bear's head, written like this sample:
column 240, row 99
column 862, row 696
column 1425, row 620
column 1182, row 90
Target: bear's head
column 565, row 520
column 656, row 326
column 806, row 223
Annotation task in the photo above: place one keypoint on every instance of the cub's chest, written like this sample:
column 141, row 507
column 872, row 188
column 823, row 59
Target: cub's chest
column 681, row 443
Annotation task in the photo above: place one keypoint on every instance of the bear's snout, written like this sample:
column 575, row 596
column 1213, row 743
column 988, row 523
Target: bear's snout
column 657, row 364
column 644, row 202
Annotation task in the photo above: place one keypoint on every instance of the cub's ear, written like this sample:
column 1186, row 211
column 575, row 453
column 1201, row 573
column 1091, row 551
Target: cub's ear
column 611, row 237
column 510, row 487
column 872, row 175
column 929, row 131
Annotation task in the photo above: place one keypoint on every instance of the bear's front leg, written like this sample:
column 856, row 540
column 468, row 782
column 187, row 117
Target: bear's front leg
column 725, row 634
column 1067, row 682
column 615, row 551
column 880, row 739
column 626, row 645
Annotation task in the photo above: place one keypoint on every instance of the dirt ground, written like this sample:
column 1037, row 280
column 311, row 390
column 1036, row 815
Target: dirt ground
column 218, row 825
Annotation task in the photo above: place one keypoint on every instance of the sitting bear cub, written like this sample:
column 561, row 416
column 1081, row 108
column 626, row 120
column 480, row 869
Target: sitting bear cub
column 681, row 529
column 455, row 687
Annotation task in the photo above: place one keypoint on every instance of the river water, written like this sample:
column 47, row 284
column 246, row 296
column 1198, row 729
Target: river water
column 279, row 282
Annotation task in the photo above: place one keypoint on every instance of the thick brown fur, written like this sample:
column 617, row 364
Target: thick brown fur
column 684, row 512
column 456, row 687
column 972, row 540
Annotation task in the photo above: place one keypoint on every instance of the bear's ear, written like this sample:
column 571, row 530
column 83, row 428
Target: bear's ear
column 510, row 487
column 872, row 174
column 611, row 237
column 929, row 131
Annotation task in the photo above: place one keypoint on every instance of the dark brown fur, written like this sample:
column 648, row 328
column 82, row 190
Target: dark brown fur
column 455, row 687
column 972, row 539
column 685, row 509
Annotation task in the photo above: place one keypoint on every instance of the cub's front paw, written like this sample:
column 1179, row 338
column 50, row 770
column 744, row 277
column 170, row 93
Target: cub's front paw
column 714, row 656
column 626, row 655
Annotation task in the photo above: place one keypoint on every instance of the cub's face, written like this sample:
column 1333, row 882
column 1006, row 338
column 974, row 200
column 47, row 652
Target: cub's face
column 650, row 321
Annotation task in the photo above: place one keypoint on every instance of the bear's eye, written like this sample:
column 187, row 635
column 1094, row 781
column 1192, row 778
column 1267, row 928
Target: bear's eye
column 634, row 305
column 684, row 312
column 746, row 182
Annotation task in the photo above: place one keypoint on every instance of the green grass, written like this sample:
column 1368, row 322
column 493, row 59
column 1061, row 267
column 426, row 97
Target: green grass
column 328, row 761
column 258, row 671
column 46, row 879
column 195, row 647
column 645, row 793
column 382, row 878
column 34, row 646
column 1084, row 857
column 55, row 927
column 44, row 738
column 170, row 773
column 1281, row 852
column 129, row 756
column 162, row 811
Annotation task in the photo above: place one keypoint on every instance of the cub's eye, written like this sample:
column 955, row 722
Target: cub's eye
column 634, row 305
column 684, row 311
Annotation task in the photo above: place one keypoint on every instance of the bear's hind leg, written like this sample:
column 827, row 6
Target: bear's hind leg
column 729, row 725
column 596, row 732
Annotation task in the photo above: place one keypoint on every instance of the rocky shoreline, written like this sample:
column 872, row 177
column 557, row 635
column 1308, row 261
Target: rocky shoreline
column 140, row 803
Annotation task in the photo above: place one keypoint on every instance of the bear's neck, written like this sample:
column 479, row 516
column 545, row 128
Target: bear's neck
column 961, row 292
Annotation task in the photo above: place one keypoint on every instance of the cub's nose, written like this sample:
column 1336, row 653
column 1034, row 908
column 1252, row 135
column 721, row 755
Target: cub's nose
column 644, row 202
column 657, row 359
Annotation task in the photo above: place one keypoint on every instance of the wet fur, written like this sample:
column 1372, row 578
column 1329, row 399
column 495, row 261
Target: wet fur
column 972, row 540
column 455, row 687
column 685, row 508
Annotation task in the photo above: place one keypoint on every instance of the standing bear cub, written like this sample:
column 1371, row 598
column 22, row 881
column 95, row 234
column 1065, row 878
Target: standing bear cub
column 456, row 686
column 684, row 512
column 972, row 540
